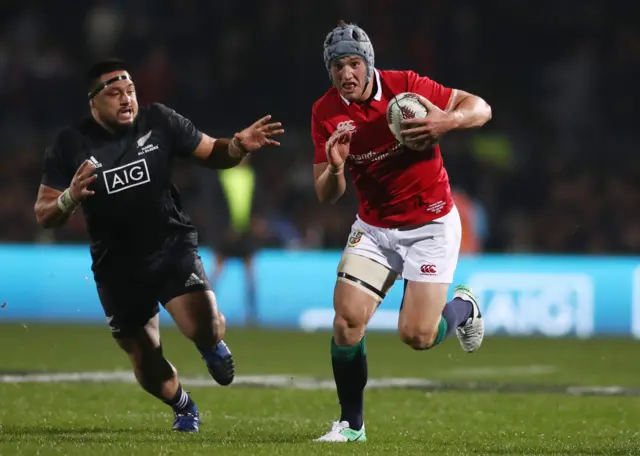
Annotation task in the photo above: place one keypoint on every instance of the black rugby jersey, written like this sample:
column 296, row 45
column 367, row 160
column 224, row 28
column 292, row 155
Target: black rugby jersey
column 135, row 214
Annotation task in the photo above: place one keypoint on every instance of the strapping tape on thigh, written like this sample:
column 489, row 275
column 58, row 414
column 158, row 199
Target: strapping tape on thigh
column 365, row 273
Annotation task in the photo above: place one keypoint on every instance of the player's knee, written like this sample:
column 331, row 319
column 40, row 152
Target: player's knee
column 351, row 318
column 146, row 358
column 140, row 343
column 348, row 329
column 419, row 337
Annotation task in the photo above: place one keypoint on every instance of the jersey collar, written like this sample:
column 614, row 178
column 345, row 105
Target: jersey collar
column 377, row 96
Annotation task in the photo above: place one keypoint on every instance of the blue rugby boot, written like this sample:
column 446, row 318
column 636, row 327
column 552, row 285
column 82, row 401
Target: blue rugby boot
column 220, row 364
column 188, row 421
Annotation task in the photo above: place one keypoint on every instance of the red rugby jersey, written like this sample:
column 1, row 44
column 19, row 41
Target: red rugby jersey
column 396, row 186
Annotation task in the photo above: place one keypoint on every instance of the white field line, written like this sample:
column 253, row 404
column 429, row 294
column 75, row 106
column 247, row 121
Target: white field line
column 264, row 381
column 310, row 383
column 278, row 381
column 509, row 371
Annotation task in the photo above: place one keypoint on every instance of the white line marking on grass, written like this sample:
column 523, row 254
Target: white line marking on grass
column 500, row 371
column 309, row 383
column 264, row 381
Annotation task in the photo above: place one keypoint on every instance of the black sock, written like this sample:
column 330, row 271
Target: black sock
column 181, row 402
column 350, row 372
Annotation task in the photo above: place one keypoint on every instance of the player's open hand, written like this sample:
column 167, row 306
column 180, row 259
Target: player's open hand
column 259, row 134
column 337, row 147
column 425, row 132
column 83, row 177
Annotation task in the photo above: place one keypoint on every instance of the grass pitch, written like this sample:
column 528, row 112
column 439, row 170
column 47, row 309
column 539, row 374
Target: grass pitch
column 513, row 397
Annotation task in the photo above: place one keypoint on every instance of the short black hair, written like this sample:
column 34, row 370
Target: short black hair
column 102, row 67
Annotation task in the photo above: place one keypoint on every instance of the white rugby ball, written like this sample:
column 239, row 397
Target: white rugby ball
column 405, row 105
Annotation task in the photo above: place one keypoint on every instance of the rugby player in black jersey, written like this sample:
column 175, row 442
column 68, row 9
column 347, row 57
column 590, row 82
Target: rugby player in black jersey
column 116, row 165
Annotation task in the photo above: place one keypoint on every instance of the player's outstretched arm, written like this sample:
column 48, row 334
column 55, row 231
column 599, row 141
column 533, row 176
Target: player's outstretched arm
column 53, row 207
column 223, row 153
column 217, row 153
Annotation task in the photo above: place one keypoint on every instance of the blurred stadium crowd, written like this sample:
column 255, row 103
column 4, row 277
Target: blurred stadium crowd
column 556, row 170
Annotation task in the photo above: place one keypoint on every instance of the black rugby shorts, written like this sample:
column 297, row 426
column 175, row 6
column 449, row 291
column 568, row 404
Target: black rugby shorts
column 130, row 298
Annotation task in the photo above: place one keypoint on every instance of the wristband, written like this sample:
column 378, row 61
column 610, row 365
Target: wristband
column 236, row 144
column 66, row 202
column 336, row 171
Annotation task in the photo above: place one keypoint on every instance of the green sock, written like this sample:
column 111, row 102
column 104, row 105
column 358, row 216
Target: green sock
column 443, row 326
column 347, row 353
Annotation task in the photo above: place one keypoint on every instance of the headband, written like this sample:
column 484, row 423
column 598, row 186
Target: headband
column 107, row 83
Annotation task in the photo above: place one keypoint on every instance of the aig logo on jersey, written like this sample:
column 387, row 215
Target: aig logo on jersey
column 126, row 176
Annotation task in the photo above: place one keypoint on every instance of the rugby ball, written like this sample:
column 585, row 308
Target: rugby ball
column 405, row 105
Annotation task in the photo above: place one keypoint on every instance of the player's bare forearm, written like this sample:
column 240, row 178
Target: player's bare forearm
column 47, row 210
column 470, row 111
column 330, row 183
column 223, row 155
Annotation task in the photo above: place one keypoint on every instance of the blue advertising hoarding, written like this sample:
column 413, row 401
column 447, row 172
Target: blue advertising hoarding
column 520, row 295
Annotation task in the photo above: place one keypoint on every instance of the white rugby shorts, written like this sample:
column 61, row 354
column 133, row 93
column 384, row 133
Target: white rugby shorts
column 425, row 254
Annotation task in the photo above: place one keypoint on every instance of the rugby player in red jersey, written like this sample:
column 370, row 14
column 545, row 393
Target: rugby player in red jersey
column 407, row 225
